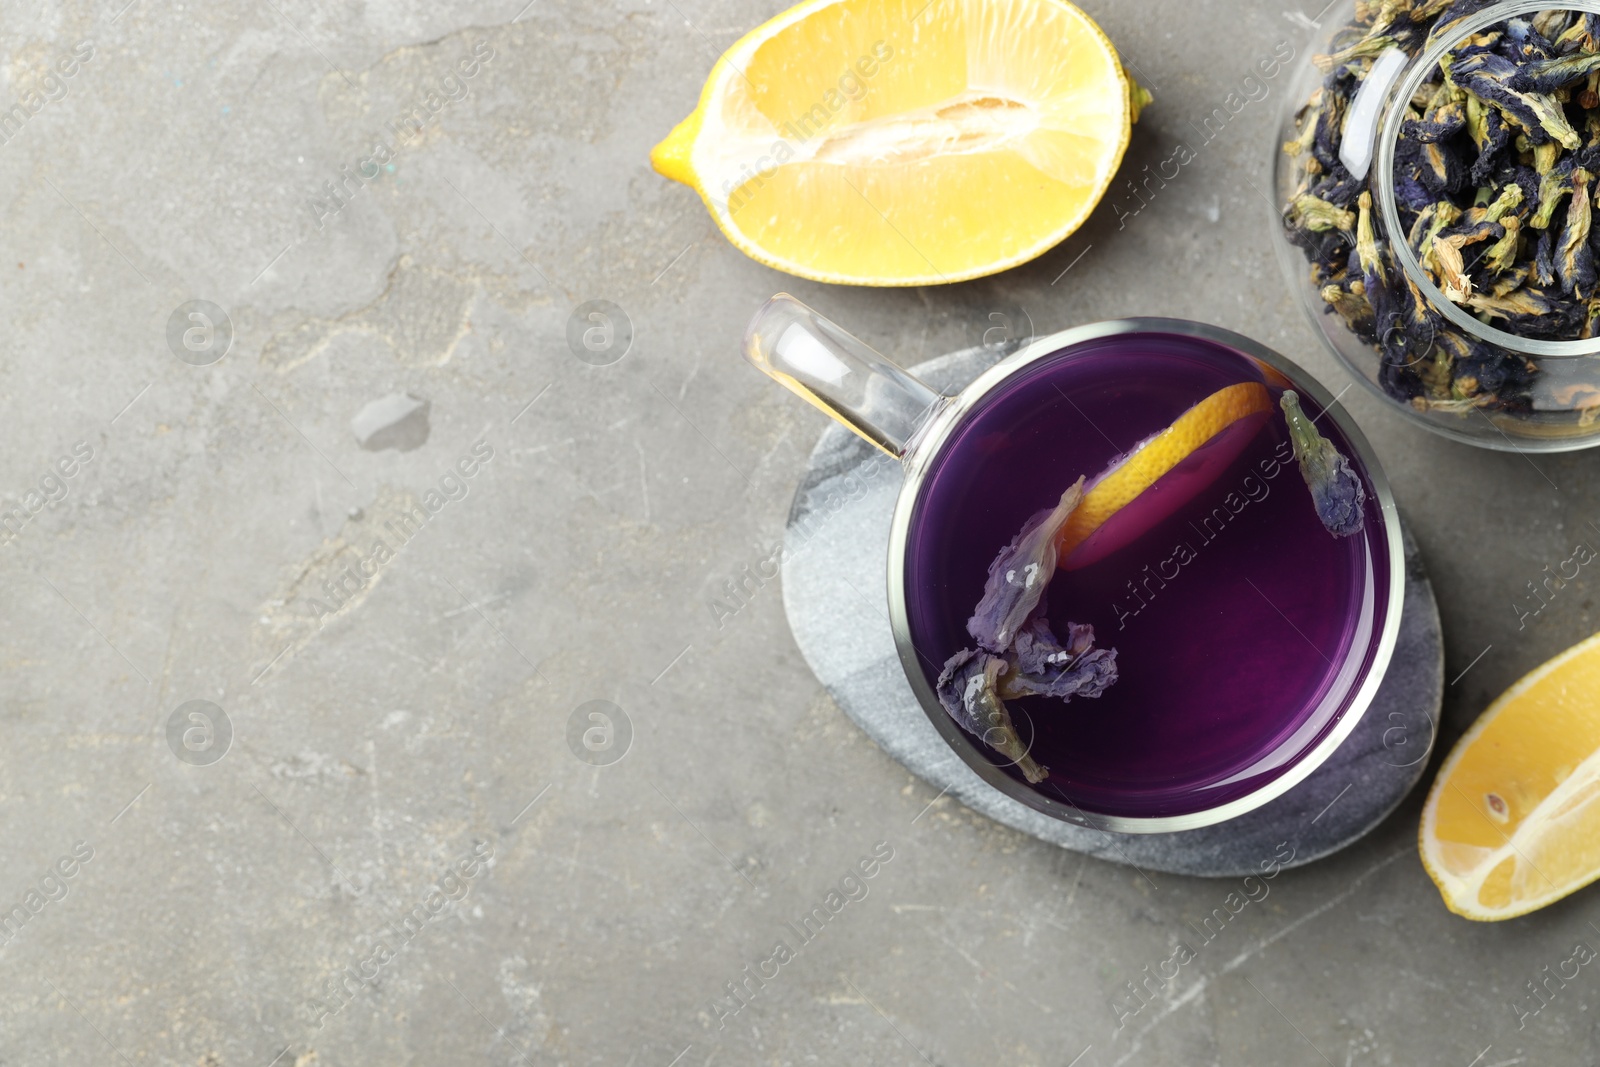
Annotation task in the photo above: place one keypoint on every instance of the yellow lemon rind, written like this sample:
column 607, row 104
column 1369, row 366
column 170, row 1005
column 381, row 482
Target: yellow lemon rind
column 1202, row 422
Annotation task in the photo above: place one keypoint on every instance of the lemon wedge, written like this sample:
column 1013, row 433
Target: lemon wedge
column 1512, row 822
column 1135, row 492
column 868, row 143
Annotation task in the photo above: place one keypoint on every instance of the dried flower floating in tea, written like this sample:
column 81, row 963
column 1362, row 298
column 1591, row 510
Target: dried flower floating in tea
column 1044, row 668
column 1336, row 490
column 969, row 691
column 1018, row 655
column 1019, row 574
column 1494, row 182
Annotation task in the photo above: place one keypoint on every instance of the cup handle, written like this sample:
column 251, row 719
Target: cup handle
column 838, row 373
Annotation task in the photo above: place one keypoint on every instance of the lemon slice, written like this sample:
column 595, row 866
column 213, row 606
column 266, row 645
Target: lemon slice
column 870, row 143
column 1135, row 492
column 1512, row 822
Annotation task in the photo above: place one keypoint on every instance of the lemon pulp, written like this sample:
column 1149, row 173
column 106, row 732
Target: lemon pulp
column 848, row 141
column 1512, row 822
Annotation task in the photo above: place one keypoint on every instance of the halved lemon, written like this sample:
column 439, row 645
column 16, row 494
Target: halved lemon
column 1162, row 473
column 1512, row 822
column 906, row 143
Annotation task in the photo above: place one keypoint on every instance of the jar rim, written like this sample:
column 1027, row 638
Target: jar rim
column 1404, row 89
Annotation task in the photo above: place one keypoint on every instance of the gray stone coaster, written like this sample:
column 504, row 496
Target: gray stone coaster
column 835, row 596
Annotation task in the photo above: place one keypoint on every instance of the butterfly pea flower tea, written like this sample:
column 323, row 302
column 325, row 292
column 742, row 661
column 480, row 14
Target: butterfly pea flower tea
column 1141, row 574
column 1207, row 634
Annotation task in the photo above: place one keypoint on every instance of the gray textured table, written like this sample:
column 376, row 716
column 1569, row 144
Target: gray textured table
column 383, row 716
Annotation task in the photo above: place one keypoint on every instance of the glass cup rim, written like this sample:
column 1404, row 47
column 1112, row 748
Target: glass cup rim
column 928, row 444
column 1383, row 180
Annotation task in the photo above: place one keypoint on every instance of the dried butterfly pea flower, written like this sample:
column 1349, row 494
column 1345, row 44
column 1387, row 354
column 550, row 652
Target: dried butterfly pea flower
column 1328, row 252
column 1491, row 374
column 1524, row 44
column 1573, row 257
column 1588, row 157
column 1590, row 39
column 1410, row 191
column 1307, row 118
column 1591, row 324
column 1019, row 574
column 1508, row 202
column 1488, row 76
column 1511, row 279
column 1333, row 272
column 1419, row 325
column 1532, row 312
column 1449, row 269
column 1423, row 11
column 1478, row 114
column 1483, row 376
column 1558, row 72
column 1492, row 146
column 1351, row 306
column 1502, row 255
column 1394, row 17
column 969, row 691
column 1433, row 372
column 1442, row 168
column 1446, row 117
column 1336, row 489
column 1403, row 323
column 1452, row 16
column 1042, row 666
column 1369, row 47
column 1366, row 249
column 1582, row 34
column 1552, row 22
column 1319, row 216
column 1483, row 41
column 1328, row 132
column 1403, row 382
column 1368, row 267
column 1445, row 260
column 1467, row 233
column 1554, row 187
column 1545, row 156
column 1524, row 177
column 1019, row 655
column 1338, row 187
column 1544, row 260
column 1430, row 222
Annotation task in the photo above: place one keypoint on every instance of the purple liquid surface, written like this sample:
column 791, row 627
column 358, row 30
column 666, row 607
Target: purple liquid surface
column 1242, row 626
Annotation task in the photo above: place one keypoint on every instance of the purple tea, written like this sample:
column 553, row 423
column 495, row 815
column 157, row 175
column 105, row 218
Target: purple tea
column 1230, row 622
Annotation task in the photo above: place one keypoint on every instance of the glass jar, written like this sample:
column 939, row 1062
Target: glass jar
column 1437, row 180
